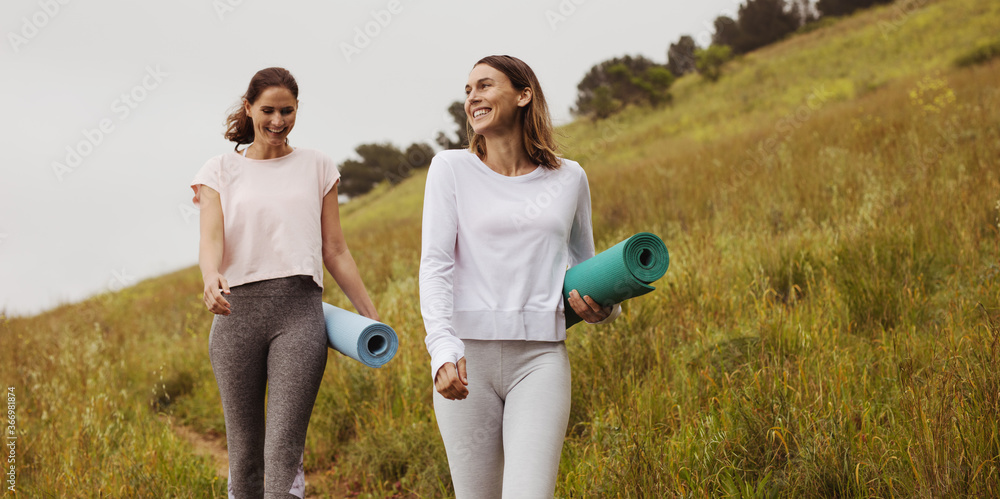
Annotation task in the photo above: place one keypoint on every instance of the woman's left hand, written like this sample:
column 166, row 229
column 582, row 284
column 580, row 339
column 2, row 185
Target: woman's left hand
column 588, row 309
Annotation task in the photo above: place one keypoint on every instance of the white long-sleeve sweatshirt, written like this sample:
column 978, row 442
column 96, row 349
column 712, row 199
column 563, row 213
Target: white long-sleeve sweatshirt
column 495, row 250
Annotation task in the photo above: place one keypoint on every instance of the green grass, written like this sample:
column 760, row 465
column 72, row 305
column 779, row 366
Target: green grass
column 830, row 324
column 985, row 51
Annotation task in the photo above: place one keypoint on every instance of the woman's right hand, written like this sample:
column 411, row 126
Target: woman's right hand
column 215, row 285
column 451, row 382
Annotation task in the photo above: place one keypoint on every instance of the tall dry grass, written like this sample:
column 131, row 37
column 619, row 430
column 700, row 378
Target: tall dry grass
column 828, row 327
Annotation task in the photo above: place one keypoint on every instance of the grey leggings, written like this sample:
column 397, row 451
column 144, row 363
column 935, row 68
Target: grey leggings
column 506, row 437
column 274, row 338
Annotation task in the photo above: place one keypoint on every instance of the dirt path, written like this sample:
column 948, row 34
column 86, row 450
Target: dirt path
column 214, row 448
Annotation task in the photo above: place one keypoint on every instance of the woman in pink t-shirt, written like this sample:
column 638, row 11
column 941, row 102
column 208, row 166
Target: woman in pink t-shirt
column 269, row 222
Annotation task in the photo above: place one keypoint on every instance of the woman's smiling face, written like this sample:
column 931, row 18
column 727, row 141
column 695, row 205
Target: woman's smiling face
column 273, row 115
column 491, row 101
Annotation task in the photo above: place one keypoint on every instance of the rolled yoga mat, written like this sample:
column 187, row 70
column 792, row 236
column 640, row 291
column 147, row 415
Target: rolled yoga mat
column 358, row 337
column 621, row 272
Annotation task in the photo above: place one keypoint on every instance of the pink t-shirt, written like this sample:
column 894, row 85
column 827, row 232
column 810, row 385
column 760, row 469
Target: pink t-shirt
column 271, row 211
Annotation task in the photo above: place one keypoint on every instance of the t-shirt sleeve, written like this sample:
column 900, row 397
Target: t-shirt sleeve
column 208, row 175
column 330, row 174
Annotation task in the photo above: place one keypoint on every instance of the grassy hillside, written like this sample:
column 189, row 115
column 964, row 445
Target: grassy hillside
column 830, row 324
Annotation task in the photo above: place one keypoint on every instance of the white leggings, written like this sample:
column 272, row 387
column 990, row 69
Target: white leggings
column 505, row 439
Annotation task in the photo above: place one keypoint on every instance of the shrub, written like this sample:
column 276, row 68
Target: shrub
column 982, row 53
column 709, row 61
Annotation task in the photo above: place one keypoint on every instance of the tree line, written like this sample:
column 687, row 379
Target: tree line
column 612, row 85
column 617, row 83
column 385, row 162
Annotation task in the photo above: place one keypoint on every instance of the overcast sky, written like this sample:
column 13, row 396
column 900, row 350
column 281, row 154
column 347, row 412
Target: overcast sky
column 110, row 107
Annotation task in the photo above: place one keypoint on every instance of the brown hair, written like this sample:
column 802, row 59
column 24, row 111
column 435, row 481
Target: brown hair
column 239, row 126
column 537, row 129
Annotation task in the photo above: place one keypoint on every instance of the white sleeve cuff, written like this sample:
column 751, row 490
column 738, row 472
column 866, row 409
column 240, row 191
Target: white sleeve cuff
column 448, row 355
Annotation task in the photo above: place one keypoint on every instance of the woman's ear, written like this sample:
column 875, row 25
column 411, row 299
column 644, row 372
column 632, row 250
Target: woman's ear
column 525, row 97
column 246, row 108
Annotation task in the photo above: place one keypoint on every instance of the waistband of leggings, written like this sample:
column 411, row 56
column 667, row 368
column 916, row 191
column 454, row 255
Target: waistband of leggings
column 296, row 285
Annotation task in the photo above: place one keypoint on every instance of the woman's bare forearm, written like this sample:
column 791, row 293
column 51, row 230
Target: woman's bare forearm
column 210, row 255
column 345, row 271
column 212, row 242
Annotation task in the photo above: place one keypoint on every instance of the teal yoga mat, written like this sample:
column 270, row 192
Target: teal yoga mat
column 358, row 337
column 621, row 272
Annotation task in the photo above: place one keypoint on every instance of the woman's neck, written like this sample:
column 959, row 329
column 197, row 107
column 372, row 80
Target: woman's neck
column 266, row 151
column 506, row 155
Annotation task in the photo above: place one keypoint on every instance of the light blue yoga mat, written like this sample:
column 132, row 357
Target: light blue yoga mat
column 358, row 337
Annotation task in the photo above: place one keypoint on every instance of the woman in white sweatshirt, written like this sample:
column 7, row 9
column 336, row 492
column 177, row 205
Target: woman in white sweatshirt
column 502, row 222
